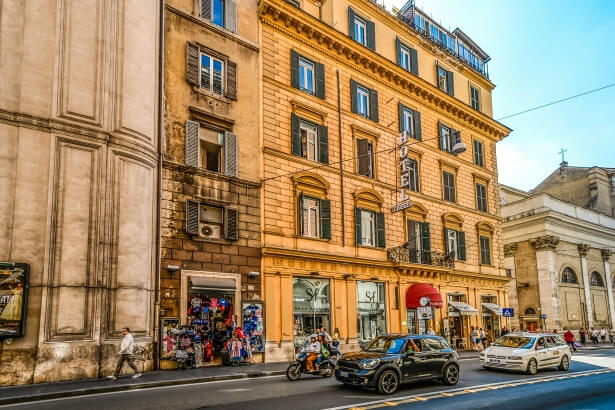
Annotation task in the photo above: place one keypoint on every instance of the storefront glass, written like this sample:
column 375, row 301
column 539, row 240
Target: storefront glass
column 418, row 325
column 311, row 306
column 491, row 321
column 457, row 334
column 371, row 317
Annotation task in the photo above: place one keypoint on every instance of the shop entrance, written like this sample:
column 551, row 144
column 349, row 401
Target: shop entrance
column 416, row 325
column 371, row 320
column 311, row 305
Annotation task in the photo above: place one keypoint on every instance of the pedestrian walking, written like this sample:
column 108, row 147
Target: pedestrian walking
column 569, row 338
column 475, row 339
column 612, row 336
column 483, row 338
column 126, row 350
column 593, row 334
column 583, row 334
column 603, row 335
column 505, row 331
column 336, row 337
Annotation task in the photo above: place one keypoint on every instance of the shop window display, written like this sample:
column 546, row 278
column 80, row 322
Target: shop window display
column 371, row 311
column 312, row 306
column 253, row 326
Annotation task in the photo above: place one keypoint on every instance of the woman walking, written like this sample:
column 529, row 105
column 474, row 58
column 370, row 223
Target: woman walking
column 583, row 334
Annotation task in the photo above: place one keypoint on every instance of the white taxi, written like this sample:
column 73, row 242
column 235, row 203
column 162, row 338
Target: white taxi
column 527, row 352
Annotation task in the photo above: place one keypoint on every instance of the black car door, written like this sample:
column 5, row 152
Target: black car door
column 435, row 359
column 414, row 361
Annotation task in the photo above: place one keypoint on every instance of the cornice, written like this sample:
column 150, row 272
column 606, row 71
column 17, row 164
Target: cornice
column 184, row 169
column 304, row 27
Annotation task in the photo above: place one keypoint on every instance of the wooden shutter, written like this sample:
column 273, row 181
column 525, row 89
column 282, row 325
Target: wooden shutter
column 450, row 84
column 296, row 134
column 446, row 230
column 325, row 219
column 400, row 114
column 206, row 9
column 301, row 214
column 398, row 49
column 380, row 231
column 371, row 34
column 231, row 224
column 230, row 15
column 294, row 69
column 425, row 237
column 353, row 95
column 193, row 144
column 192, row 64
column 461, row 245
column 362, row 153
column 351, row 23
column 373, row 105
column 231, row 80
column 417, row 125
column 414, row 62
column 319, row 75
column 192, row 217
column 323, row 144
column 230, row 154
column 358, row 230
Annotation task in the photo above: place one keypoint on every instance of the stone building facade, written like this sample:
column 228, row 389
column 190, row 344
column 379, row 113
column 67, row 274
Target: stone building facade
column 560, row 255
column 341, row 80
column 210, row 216
column 79, row 137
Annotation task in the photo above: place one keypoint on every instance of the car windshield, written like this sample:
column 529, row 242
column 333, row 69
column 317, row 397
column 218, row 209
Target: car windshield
column 519, row 342
column 385, row 344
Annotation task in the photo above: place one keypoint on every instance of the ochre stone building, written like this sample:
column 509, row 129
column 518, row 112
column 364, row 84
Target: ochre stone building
column 341, row 80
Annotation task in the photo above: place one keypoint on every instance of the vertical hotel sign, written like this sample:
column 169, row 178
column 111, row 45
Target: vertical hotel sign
column 13, row 298
column 404, row 178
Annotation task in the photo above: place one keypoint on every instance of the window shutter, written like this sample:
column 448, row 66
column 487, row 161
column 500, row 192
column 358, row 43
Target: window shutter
column 373, row 105
column 230, row 154
column 325, row 219
column 231, row 224
column 371, row 34
column 398, row 49
column 442, row 147
column 461, row 246
column 380, row 232
column 230, row 15
column 231, row 80
column 193, row 151
column 448, row 250
column 414, row 62
column 192, row 217
column 351, row 23
column 192, row 64
column 353, row 95
column 319, row 74
column 400, row 114
column 296, row 134
column 294, row 69
column 301, row 214
column 450, row 85
column 323, row 144
column 357, row 226
column 453, row 138
column 363, row 157
column 417, row 125
column 206, row 9
column 425, row 237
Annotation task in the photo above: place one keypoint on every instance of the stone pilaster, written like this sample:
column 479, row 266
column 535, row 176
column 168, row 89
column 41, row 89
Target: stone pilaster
column 513, row 298
column 583, row 249
column 548, row 279
column 606, row 255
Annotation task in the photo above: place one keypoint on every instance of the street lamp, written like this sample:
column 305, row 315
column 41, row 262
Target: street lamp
column 459, row 148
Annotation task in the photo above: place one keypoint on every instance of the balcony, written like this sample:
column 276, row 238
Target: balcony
column 402, row 254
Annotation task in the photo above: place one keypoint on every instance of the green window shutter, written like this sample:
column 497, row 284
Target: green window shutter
column 353, row 95
column 357, row 226
column 398, row 49
column 487, row 251
column 414, row 62
column 231, row 80
column 461, row 245
column 373, row 105
column 231, row 224
column 362, row 153
column 294, row 69
column 230, row 15
column 192, row 217
column 301, row 213
column 380, row 231
column 425, row 237
column 192, row 64
column 371, row 34
column 450, row 84
column 206, row 9
column 296, row 134
column 230, row 154
column 400, row 114
column 193, row 144
column 351, row 23
column 325, row 219
column 323, row 144
column 319, row 75
column 417, row 125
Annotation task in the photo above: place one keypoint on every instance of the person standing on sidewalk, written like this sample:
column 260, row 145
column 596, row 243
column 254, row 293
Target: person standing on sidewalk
column 569, row 338
column 126, row 349
column 603, row 335
column 583, row 334
column 593, row 334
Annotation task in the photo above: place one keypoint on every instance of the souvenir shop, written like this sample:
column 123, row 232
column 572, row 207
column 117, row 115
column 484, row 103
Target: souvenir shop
column 215, row 328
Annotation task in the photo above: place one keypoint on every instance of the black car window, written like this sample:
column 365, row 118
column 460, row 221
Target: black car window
column 541, row 342
column 550, row 341
column 414, row 345
column 430, row 345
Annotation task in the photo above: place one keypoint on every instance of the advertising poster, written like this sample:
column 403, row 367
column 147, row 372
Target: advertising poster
column 13, row 298
column 253, row 325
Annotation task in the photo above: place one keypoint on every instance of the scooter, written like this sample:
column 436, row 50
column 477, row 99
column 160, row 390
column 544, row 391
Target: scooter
column 299, row 366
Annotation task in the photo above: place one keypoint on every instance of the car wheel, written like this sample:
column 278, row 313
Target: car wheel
column 388, row 382
column 565, row 364
column 293, row 372
column 451, row 375
column 532, row 367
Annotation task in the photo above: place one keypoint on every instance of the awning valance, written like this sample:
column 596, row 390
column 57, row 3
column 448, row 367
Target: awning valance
column 423, row 290
column 494, row 308
column 206, row 283
column 463, row 308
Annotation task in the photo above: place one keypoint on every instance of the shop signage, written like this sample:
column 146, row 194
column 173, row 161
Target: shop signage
column 404, row 178
column 424, row 312
column 13, row 298
column 507, row 312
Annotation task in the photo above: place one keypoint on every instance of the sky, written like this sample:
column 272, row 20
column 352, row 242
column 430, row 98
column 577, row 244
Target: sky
column 542, row 51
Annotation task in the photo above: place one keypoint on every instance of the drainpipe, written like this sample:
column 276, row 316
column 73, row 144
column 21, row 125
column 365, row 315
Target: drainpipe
column 339, row 129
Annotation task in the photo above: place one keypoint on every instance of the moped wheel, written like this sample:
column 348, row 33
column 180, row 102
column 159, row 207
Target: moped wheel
column 326, row 370
column 293, row 372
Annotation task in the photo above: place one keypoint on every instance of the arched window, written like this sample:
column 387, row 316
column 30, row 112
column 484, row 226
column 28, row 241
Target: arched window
column 568, row 276
column 530, row 311
column 596, row 280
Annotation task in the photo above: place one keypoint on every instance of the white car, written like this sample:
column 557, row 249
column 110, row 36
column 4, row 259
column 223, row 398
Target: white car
column 527, row 352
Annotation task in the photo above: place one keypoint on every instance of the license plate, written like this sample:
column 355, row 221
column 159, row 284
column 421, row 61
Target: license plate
column 495, row 361
column 343, row 374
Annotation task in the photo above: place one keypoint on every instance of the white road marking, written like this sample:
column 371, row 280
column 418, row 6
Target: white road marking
column 608, row 362
column 233, row 390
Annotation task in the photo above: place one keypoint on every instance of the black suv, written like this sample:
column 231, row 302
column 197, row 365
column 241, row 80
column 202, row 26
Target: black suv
column 391, row 360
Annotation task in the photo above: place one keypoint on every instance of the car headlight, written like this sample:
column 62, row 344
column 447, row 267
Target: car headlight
column 369, row 364
column 515, row 358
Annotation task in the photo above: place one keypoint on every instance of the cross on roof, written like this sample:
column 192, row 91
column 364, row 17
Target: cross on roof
column 562, row 152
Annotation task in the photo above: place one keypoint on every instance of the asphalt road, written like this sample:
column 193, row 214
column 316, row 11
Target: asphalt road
column 276, row 392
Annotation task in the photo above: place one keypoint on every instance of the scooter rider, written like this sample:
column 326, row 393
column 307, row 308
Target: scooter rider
column 312, row 350
column 324, row 350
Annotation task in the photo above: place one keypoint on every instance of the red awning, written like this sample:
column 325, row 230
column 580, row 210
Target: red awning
column 419, row 290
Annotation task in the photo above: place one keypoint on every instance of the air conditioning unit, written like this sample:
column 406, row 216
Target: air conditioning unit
column 210, row 231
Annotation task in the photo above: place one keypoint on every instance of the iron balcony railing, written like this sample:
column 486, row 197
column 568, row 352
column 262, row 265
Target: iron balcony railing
column 424, row 257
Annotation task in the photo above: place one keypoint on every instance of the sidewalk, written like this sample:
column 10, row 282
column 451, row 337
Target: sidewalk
column 599, row 346
column 43, row 391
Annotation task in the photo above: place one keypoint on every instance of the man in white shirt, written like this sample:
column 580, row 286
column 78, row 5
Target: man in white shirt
column 126, row 350
column 313, row 350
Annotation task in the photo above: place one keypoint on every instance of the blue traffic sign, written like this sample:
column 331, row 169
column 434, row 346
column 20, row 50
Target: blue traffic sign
column 508, row 312
column 544, row 316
